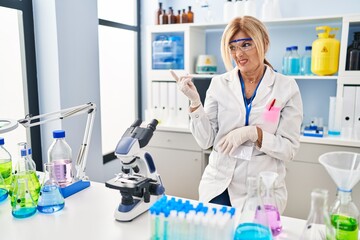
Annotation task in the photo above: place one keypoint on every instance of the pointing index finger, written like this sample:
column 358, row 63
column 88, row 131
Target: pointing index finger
column 174, row 75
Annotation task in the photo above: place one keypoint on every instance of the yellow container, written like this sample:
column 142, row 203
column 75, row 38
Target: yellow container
column 325, row 52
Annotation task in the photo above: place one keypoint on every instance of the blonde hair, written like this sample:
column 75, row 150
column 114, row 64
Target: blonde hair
column 250, row 26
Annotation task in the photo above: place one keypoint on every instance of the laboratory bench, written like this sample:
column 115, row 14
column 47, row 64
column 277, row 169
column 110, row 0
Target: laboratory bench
column 88, row 214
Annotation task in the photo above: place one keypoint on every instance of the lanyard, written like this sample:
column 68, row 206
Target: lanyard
column 248, row 104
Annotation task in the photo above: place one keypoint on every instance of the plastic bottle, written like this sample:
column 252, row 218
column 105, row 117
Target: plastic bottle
column 318, row 223
column 190, row 15
column 306, row 62
column 61, row 155
column 294, row 61
column 158, row 13
column 285, row 61
column 267, row 10
column 325, row 52
column 239, row 8
column 5, row 164
column 228, row 11
column 250, row 8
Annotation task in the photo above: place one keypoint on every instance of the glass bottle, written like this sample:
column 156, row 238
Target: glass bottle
column 50, row 199
column 344, row 216
column 158, row 13
column 23, row 205
column 306, row 62
column 268, row 196
column 285, row 61
column 356, row 41
column 184, row 17
column 190, row 15
column 178, row 17
column 24, row 169
column 354, row 57
column 171, row 16
column 253, row 223
column 294, row 61
column 318, row 224
column 3, row 190
column 5, row 164
column 61, row 155
column 163, row 18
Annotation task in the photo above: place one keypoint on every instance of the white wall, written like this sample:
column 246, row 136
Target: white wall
column 66, row 38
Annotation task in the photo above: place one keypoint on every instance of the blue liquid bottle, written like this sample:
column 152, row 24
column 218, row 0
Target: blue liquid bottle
column 294, row 61
column 50, row 199
column 3, row 191
column 306, row 62
column 285, row 61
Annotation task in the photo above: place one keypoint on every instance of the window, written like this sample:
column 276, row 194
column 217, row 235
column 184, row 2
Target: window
column 119, row 52
column 18, row 91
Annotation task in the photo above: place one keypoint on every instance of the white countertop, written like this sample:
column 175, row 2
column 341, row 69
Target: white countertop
column 88, row 215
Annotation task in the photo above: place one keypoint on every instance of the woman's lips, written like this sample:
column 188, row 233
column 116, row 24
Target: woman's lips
column 242, row 61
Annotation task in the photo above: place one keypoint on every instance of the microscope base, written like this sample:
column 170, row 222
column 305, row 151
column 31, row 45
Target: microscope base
column 138, row 209
column 74, row 188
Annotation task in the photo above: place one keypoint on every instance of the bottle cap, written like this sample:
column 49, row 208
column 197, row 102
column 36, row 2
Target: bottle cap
column 59, row 134
column 2, row 141
column 294, row 47
column 23, row 152
column 308, row 48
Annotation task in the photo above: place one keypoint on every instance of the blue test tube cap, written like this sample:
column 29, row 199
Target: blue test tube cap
column 232, row 211
column 223, row 209
column 23, row 152
column 58, row 134
column 2, row 141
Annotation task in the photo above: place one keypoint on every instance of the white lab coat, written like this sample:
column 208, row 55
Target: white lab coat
column 224, row 110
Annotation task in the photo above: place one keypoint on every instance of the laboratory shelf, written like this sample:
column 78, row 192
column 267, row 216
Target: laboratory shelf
column 329, row 140
column 315, row 77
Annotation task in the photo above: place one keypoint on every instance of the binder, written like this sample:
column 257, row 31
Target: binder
column 155, row 99
column 348, row 111
column 164, row 101
column 172, row 103
column 182, row 109
column 357, row 114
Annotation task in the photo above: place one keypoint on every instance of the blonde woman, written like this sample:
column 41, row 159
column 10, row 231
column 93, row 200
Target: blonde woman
column 251, row 117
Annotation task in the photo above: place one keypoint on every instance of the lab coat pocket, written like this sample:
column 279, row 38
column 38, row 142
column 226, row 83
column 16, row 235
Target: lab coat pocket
column 212, row 168
column 270, row 119
column 261, row 163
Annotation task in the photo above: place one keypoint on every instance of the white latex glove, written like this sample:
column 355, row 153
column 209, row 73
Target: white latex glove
column 186, row 86
column 229, row 143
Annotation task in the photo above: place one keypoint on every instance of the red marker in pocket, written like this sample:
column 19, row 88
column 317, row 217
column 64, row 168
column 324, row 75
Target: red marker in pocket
column 272, row 103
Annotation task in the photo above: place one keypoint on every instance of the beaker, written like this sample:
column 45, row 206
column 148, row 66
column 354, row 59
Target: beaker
column 344, row 168
column 268, row 196
column 253, row 223
column 318, row 224
column 50, row 199
column 22, row 203
column 3, row 189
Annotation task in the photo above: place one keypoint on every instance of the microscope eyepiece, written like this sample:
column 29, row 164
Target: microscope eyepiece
column 152, row 125
column 136, row 123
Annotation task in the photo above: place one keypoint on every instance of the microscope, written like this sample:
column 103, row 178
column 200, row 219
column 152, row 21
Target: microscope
column 139, row 184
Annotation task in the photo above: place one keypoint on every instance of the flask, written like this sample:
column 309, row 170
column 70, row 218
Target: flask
column 22, row 203
column 294, row 61
column 253, row 223
column 171, row 16
column 158, row 13
column 184, row 17
column 190, row 15
column 306, row 62
column 271, row 208
column 325, row 52
column 5, row 164
column 50, row 199
column 239, row 8
column 61, row 155
column 24, row 169
column 285, row 61
column 344, row 216
column 318, row 223
column 3, row 190
column 228, row 11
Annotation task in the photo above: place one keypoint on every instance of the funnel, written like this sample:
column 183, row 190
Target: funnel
column 343, row 168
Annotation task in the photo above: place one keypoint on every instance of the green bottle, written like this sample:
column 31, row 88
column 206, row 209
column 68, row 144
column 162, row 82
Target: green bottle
column 344, row 217
column 5, row 165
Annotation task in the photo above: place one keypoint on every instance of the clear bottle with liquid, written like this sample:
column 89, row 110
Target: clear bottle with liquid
column 3, row 190
column 271, row 207
column 318, row 224
column 50, row 199
column 24, row 169
column 294, row 61
column 60, row 154
column 345, row 216
column 306, row 62
column 22, row 203
column 5, row 164
column 253, row 223
column 285, row 61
